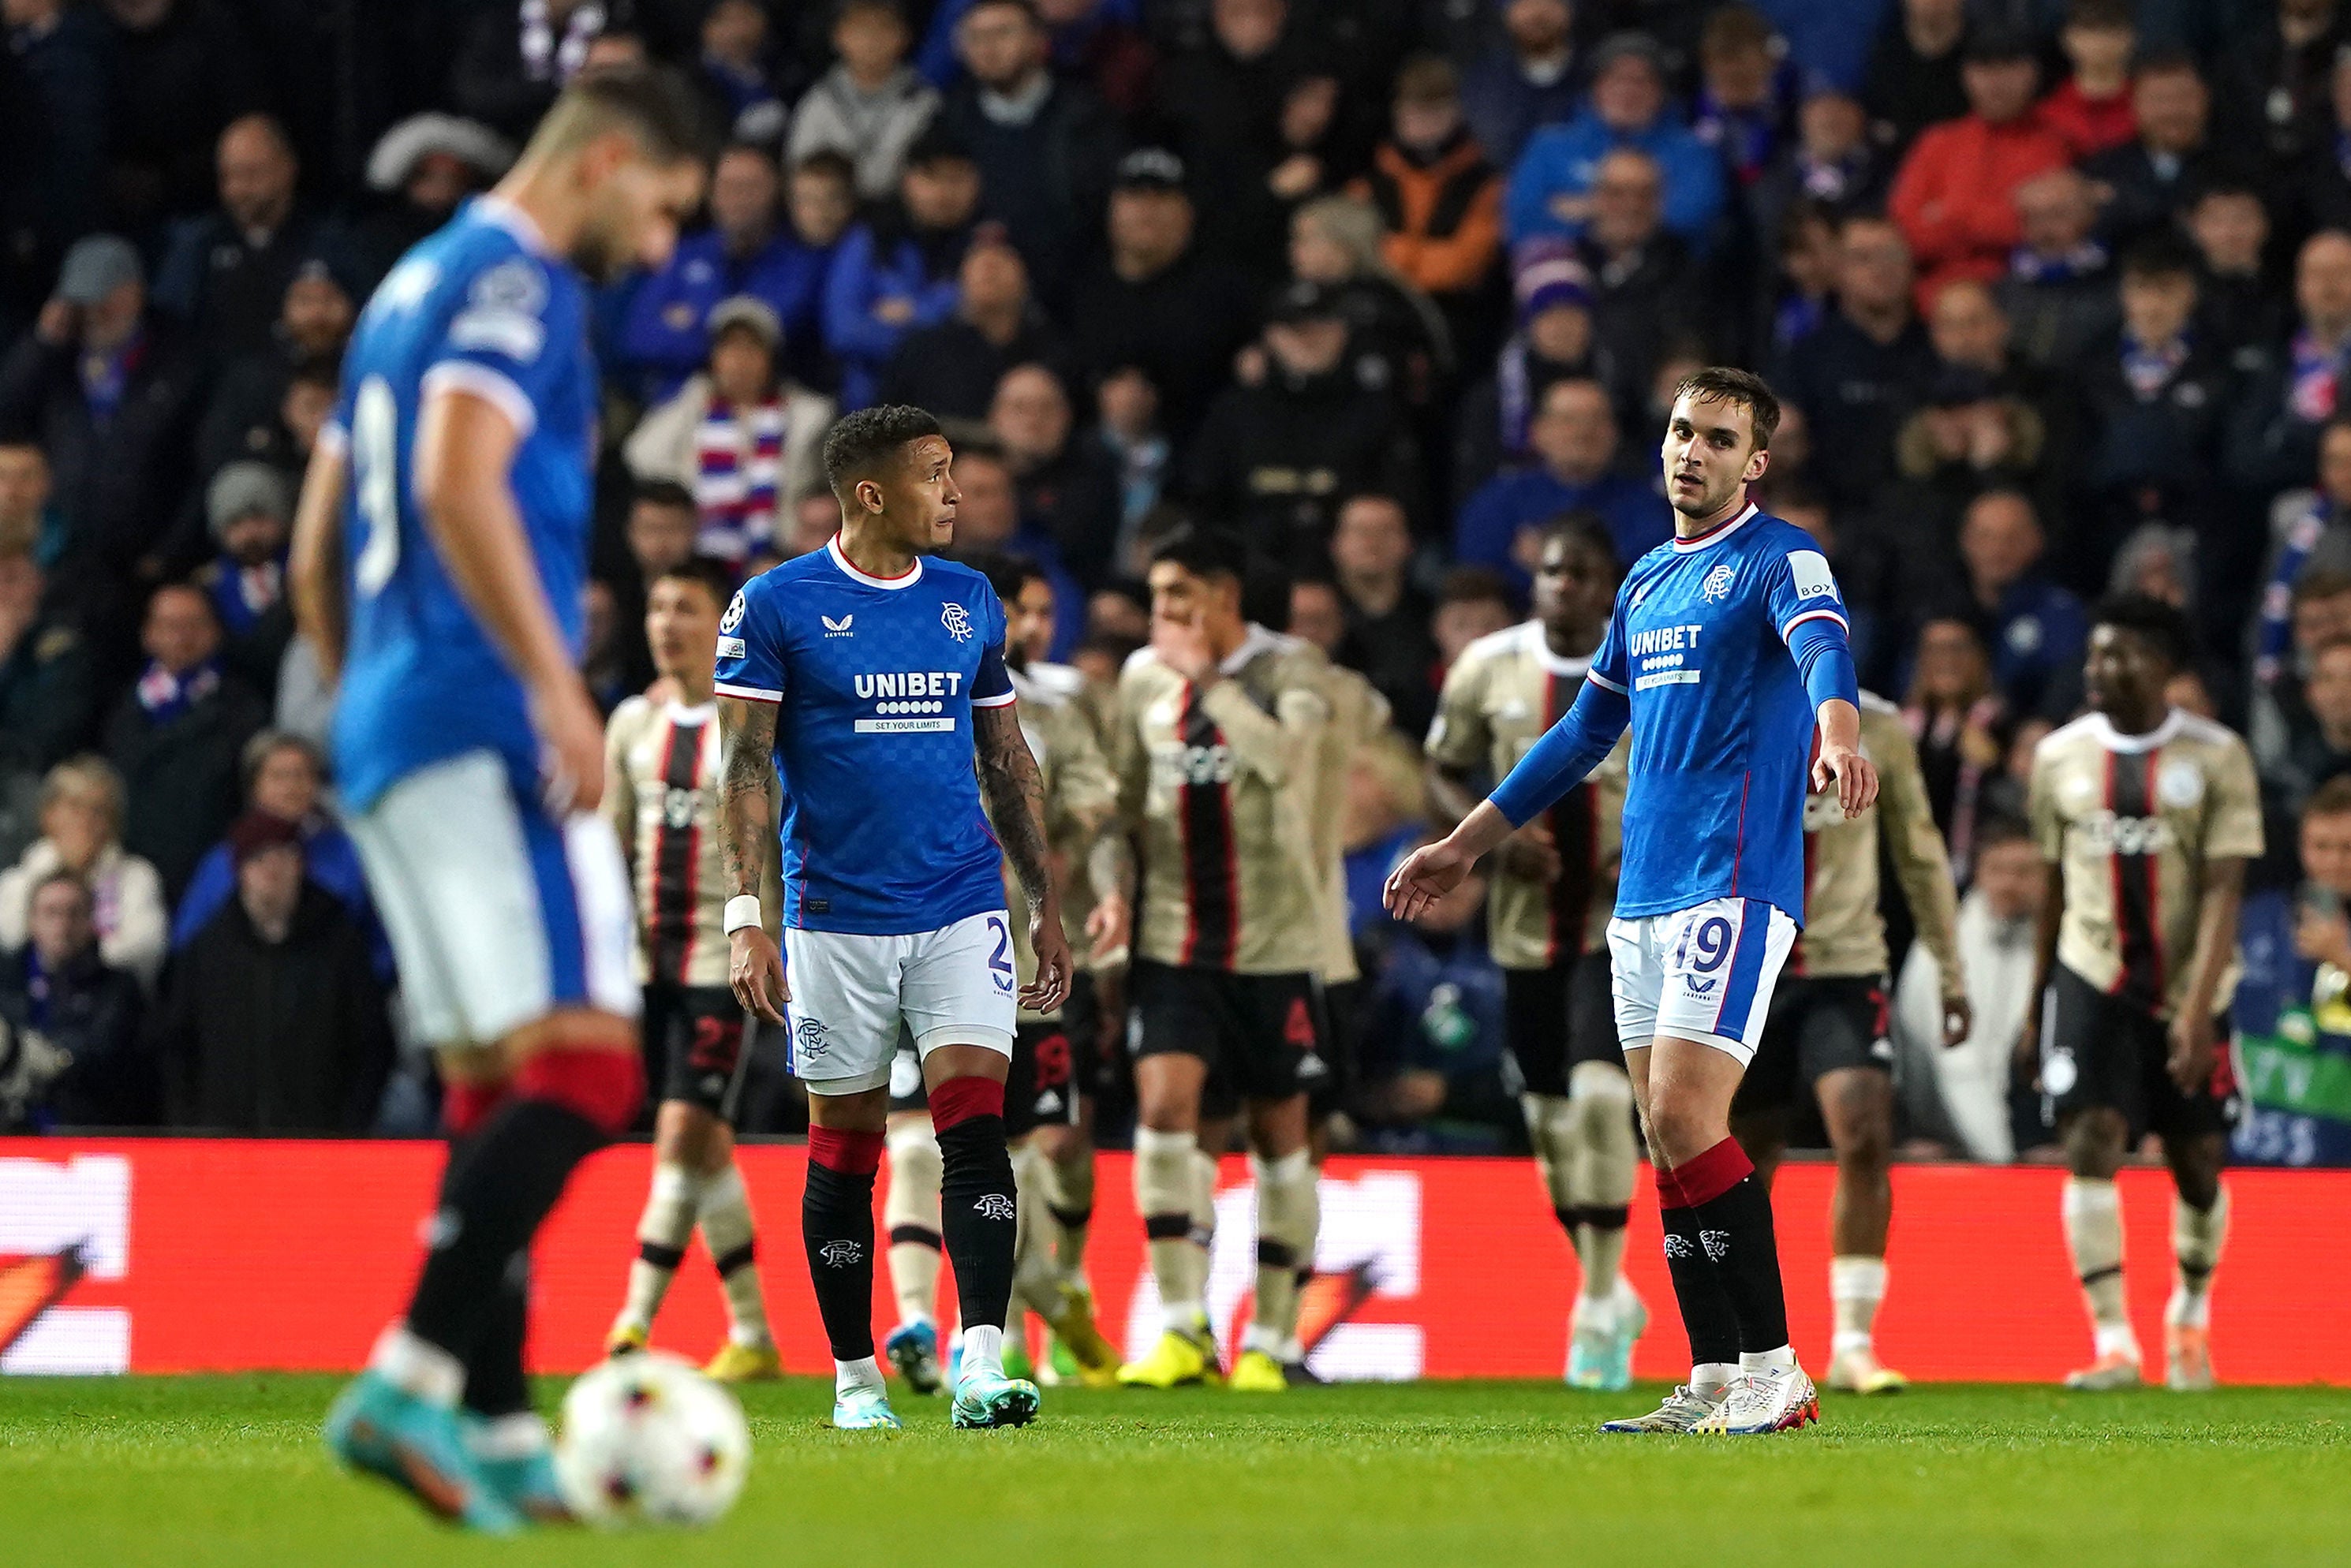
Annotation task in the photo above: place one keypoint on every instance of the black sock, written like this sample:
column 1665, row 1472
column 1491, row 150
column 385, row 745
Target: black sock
column 1706, row 1315
column 496, row 1191
column 1735, row 1232
column 837, row 1228
column 977, row 1216
column 495, row 1384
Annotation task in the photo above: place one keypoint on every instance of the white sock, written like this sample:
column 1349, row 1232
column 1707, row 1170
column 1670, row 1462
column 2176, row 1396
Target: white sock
column 1767, row 1360
column 983, row 1348
column 911, row 1208
column 1709, row 1379
column 667, row 1221
column 2093, row 1234
column 1165, row 1186
column 726, row 1219
column 848, row 1375
column 515, row 1436
column 2197, row 1236
column 417, row 1367
column 1596, row 1314
column 1856, row 1284
column 1286, row 1217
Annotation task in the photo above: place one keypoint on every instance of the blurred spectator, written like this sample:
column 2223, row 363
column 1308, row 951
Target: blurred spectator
column 2059, row 291
column 734, row 75
column 1962, row 731
column 516, row 57
column 1832, row 164
column 1436, row 1043
column 29, row 523
column 953, row 368
column 53, row 104
column 1046, row 148
column 1318, row 616
column 745, row 251
column 748, row 441
column 1524, row 81
column 2320, row 749
column 1643, row 280
column 46, row 703
column 250, row 506
column 110, row 397
column 1954, row 193
column 1158, row 303
column 271, row 1018
column 1385, row 617
column 2035, row 630
column 2274, row 431
column 2145, row 181
column 2310, row 532
column 177, row 72
column 224, row 275
column 898, row 270
column 872, row 106
column 2317, row 611
column 1126, row 427
column 1574, row 441
column 611, row 660
column 1856, row 373
column 246, row 414
column 1272, row 461
column 1966, row 438
column 1068, row 488
column 2321, row 187
column 423, row 167
column 1553, row 341
column 59, row 985
column 1396, row 339
column 1552, row 183
column 1440, row 202
column 989, row 520
column 2243, row 313
column 2274, row 82
column 1998, row 917
column 177, row 735
column 1798, row 296
column 662, row 526
column 1913, row 79
column 2093, row 109
column 81, row 835
column 1741, row 111
column 1472, row 601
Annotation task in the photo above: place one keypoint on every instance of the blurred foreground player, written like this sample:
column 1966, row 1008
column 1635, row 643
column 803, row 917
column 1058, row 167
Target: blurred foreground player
column 662, row 795
column 1554, row 884
column 444, row 582
column 873, row 671
column 2150, row 815
column 1728, row 646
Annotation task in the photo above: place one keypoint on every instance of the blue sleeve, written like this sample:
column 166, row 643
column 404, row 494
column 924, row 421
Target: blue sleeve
column 1808, row 611
column 1526, row 208
column 751, row 647
column 208, row 890
column 991, row 687
column 651, row 340
column 935, row 61
column 850, row 329
column 507, row 342
column 1568, row 750
column 1824, row 658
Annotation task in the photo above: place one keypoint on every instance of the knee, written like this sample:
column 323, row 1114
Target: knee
column 1678, row 1129
column 2094, row 1144
column 1864, row 1146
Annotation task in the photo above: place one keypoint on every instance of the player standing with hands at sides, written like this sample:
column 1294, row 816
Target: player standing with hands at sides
column 443, row 583
column 873, row 671
column 2150, row 814
column 1727, row 649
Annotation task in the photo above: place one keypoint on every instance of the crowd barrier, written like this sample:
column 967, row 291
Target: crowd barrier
column 190, row 1255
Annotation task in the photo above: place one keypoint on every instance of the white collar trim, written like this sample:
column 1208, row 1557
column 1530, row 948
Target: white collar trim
column 1539, row 645
column 1722, row 531
column 2160, row 736
column 913, row 576
column 1258, row 640
column 701, row 714
column 499, row 213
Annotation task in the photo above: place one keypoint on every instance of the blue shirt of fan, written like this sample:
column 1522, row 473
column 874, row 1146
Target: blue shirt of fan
column 1722, row 727
column 875, row 680
column 481, row 307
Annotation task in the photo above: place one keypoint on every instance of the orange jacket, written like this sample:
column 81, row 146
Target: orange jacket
column 1445, row 221
column 1955, row 198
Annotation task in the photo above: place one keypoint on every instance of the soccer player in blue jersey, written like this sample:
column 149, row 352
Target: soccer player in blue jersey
column 872, row 673
column 441, row 554
column 1727, row 650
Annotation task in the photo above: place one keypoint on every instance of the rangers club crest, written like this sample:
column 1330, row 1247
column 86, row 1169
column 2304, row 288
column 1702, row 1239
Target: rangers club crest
column 1717, row 584
column 810, row 1038
column 957, row 623
column 841, row 1254
column 994, row 1206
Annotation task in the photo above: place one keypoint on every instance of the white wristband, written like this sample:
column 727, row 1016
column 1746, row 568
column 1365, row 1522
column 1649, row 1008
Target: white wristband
column 742, row 910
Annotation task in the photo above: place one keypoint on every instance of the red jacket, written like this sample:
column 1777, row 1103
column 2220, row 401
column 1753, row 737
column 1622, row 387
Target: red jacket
column 2090, row 124
column 1955, row 196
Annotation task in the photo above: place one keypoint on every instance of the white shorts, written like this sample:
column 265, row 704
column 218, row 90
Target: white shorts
column 499, row 915
column 1703, row 974
column 850, row 994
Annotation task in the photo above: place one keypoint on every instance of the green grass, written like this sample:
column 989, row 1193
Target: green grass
column 193, row 1472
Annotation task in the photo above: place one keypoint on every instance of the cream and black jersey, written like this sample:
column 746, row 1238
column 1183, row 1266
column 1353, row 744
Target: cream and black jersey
column 1077, row 789
column 2134, row 822
column 662, row 763
column 1358, row 714
column 1501, row 695
column 1843, row 934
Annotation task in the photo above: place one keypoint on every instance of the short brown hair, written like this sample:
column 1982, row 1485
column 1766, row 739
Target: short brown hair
column 650, row 104
column 1726, row 384
column 2333, row 798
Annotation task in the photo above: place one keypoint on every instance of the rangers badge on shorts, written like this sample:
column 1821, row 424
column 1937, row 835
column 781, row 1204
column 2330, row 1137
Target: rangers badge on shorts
column 810, row 1038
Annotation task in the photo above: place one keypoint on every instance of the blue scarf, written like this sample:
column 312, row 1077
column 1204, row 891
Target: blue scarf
column 166, row 696
column 2081, row 261
column 2147, row 371
column 2275, row 639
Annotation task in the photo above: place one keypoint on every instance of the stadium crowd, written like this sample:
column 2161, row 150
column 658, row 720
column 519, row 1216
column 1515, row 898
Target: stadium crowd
column 2059, row 297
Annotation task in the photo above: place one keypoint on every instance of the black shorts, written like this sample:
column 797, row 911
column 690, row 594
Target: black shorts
column 1259, row 1032
column 1082, row 1021
column 1339, row 1025
column 696, row 1033
column 1557, row 1017
column 1817, row 1024
column 2099, row 1051
column 1038, row 1088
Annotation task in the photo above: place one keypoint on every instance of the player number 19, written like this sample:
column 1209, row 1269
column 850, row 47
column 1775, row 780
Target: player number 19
column 375, row 468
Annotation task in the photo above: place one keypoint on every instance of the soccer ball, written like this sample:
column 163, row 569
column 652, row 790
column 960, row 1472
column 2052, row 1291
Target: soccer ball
column 649, row 1440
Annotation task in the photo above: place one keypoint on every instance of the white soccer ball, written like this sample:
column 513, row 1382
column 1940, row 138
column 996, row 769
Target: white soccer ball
column 647, row 1439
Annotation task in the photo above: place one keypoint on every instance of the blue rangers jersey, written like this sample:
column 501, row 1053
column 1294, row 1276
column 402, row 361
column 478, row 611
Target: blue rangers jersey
column 876, row 680
column 482, row 306
column 1721, row 649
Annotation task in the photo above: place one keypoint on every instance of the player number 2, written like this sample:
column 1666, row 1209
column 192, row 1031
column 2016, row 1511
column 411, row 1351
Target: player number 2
column 999, row 961
column 375, row 470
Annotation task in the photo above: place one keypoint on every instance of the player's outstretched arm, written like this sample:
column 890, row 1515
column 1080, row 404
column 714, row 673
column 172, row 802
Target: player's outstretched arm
column 747, row 732
column 1923, row 866
column 314, row 578
column 1016, row 804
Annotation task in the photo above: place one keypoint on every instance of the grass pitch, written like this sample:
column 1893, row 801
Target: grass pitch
column 229, row 1470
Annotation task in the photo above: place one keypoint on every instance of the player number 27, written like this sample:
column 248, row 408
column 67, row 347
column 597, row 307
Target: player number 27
column 375, row 476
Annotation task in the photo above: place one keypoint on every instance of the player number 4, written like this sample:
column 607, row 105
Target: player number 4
column 375, row 468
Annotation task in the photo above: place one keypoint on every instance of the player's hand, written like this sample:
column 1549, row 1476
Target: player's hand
column 1958, row 1021
column 1182, row 646
column 1109, row 927
column 1530, row 853
column 1051, row 987
column 2323, row 938
column 1427, row 874
column 1855, row 777
column 570, row 747
column 755, row 971
column 59, row 323
column 2194, row 1044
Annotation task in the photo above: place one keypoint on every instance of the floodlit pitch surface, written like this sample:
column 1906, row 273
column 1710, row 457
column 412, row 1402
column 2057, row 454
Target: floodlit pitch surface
column 229, row 1470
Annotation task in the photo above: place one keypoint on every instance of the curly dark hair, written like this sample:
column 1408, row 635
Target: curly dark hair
column 864, row 441
column 2164, row 627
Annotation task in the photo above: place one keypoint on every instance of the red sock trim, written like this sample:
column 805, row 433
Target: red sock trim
column 465, row 1106
column 958, row 1100
column 850, row 1153
column 1713, row 1173
column 1670, row 1191
column 603, row 1087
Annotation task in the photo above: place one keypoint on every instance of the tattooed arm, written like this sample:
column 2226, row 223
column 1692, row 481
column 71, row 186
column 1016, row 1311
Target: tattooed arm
column 745, row 821
column 1016, row 803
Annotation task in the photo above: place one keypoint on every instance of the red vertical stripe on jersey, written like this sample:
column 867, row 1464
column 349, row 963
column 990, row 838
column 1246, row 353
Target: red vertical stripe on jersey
column 1212, row 892
column 1739, row 845
column 2151, row 866
column 677, row 850
column 2130, row 798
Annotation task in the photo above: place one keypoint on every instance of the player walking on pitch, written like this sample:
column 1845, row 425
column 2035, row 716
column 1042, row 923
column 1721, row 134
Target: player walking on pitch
column 447, row 594
column 873, row 671
column 1726, row 647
